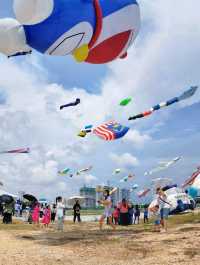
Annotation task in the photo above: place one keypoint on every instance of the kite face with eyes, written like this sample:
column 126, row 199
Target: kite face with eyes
column 95, row 31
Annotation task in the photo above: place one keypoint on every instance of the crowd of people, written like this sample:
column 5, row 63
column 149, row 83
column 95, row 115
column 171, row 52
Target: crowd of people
column 125, row 213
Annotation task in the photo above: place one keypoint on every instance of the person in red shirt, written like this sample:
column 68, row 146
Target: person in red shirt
column 124, row 216
column 116, row 215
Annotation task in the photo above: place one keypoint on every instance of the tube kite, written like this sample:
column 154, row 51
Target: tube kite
column 143, row 193
column 84, row 170
column 75, row 103
column 88, row 127
column 125, row 179
column 125, row 101
column 135, row 186
column 94, row 31
column 163, row 166
column 187, row 94
column 111, row 131
column 17, row 151
column 191, row 179
column 116, row 171
column 64, row 171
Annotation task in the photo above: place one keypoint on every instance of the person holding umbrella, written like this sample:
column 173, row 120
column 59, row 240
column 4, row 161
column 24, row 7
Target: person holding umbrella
column 8, row 207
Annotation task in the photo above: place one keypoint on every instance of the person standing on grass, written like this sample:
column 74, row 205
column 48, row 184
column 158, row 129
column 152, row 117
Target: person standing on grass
column 46, row 217
column 116, row 215
column 146, row 215
column 164, row 207
column 53, row 213
column 36, row 214
column 60, row 214
column 107, row 203
column 137, row 214
column 77, row 213
column 156, row 213
column 130, row 213
column 124, row 216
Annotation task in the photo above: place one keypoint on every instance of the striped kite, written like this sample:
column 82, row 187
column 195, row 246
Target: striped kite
column 111, row 131
column 17, row 151
column 187, row 94
column 163, row 166
column 84, row 170
column 191, row 180
column 143, row 193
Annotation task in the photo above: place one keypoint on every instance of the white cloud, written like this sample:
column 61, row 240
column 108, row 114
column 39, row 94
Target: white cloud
column 136, row 138
column 160, row 65
column 124, row 160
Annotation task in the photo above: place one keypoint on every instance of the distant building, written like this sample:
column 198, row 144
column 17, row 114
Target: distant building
column 115, row 197
column 90, row 196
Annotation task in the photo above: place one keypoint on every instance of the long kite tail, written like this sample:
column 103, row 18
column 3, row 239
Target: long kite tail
column 187, row 94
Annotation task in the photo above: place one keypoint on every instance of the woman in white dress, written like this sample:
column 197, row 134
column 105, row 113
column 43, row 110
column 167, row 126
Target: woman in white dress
column 107, row 203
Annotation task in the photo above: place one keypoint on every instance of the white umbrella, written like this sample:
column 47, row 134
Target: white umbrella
column 72, row 200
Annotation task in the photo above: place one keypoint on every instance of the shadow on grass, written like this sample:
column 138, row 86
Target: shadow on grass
column 82, row 237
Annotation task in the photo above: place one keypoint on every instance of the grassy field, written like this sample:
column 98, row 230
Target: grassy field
column 86, row 212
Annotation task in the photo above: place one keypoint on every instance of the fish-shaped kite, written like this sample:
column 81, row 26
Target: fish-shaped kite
column 187, row 94
column 191, row 179
column 143, row 193
column 111, row 131
column 71, row 104
column 85, row 131
column 116, row 171
column 163, row 166
column 125, row 179
column 84, row 170
column 135, row 186
column 64, row 171
column 17, row 151
column 125, row 102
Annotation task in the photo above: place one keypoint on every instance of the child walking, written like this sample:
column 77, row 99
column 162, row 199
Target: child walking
column 146, row 215
column 46, row 217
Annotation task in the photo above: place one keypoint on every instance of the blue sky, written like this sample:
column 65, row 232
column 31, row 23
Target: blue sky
column 161, row 64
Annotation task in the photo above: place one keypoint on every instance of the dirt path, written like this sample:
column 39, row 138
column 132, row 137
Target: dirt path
column 86, row 245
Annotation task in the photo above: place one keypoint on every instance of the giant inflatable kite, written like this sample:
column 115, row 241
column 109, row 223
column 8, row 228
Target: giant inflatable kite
column 94, row 31
column 111, row 131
